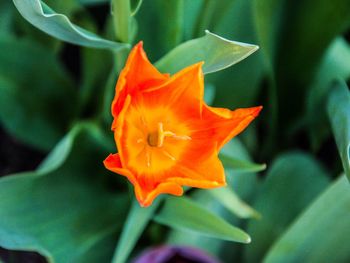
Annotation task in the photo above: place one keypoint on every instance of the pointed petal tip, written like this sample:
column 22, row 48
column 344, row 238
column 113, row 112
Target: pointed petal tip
column 112, row 161
column 139, row 45
column 107, row 161
column 257, row 111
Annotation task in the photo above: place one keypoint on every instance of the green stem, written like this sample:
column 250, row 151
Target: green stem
column 122, row 19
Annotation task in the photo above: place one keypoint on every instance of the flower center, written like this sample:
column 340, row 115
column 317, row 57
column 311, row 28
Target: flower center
column 156, row 139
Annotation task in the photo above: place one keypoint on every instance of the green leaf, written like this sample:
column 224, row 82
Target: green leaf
column 294, row 49
column 241, row 165
column 65, row 210
column 211, row 245
column 292, row 182
column 268, row 16
column 339, row 115
column 335, row 65
column 37, row 100
column 190, row 17
column 171, row 10
column 233, row 203
column 217, row 53
column 59, row 26
column 244, row 183
column 161, row 36
column 184, row 214
column 135, row 224
column 305, row 43
column 321, row 233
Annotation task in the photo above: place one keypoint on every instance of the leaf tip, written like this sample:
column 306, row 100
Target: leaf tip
column 248, row 239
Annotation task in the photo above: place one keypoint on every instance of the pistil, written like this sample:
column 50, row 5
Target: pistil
column 156, row 139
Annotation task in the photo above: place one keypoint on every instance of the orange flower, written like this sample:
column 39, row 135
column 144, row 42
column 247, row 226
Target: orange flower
column 166, row 135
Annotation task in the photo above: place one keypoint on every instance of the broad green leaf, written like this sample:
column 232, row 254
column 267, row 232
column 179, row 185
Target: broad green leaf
column 321, row 233
column 335, row 65
column 299, row 36
column 211, row 245
column 211, row 12
column 268, row 16
column 233, row 203
column 292, row 182
column 295, row 48
column 135, row 224
column 217, row 53
column 161, row 36
column 66, row 209
column 241, row 165
column 59, row 26
column 338, row 108
column 184, row 214
column 172, row 33
column 203, row 21
column 37, row 97
column 190, row 16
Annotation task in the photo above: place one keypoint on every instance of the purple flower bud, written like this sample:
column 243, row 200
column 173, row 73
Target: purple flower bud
column 174, row 254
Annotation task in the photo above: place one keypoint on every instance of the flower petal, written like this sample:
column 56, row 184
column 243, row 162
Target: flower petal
column 221, row 125
column 138, row 74
column 204, row 170
column 113, row 163
column 182, row 93
column 146, row 198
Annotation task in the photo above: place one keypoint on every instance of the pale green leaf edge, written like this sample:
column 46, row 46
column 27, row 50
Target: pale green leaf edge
column 338, row 108
column 173, row 55
column 286, row 243
column 176, row 207
column 230, row 200
column 241, row 165
column 33, row 12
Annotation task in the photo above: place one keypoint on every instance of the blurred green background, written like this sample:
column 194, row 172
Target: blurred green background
column 287, row 174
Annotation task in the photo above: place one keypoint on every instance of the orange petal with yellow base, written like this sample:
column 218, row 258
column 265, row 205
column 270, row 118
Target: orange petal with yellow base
column 167, row 137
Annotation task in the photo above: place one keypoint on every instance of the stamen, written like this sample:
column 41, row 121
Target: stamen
column 156, row 139
column 182, row 137
column 168, row 155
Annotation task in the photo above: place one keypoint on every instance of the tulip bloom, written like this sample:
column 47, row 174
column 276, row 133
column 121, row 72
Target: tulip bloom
column 167, row 137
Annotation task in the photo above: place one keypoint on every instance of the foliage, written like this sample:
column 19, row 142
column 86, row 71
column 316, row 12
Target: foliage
column 59, row 62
